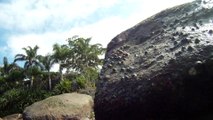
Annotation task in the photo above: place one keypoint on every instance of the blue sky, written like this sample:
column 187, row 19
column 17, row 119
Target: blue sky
column 45, row 22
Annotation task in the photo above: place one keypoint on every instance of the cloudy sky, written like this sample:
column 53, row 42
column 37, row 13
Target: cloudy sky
column 45, row 22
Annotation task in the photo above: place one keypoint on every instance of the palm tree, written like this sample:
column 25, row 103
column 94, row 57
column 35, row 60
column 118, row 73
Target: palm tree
column 30, row 59
column 85, row 54
column 47, row 61
column 60, row 55
column 7, row 68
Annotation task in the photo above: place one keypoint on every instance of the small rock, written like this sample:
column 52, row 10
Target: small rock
column 175, row 42
column 193, row 29
column 107, row 77
column 185, row 41
column 122, row 78
column 183, row 48
column 109, row 65
column 120, row 62
column 210, row 32
column 198, row 63
column 175, row 34
column 123, row 69
column 114, row 70
column 190, row 48
column 197, row 41
column 181, row 34
column 136, row 55
column 192, row 71
column 134, row 75
column 160, row 57
column 126, row 77
column 173, row 38
column 178, row 53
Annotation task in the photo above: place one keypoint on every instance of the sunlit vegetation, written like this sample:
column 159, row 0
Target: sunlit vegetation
column 79, row 63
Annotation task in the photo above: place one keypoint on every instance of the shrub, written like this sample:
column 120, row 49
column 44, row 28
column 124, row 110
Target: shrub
column 15, row 75
column 63, row 87
column 81, row 82
column 15, row 100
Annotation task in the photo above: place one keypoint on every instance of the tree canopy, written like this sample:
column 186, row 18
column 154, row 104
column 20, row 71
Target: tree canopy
column 79, row 57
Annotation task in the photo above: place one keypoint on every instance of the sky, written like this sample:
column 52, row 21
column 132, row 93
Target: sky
column 46, row 22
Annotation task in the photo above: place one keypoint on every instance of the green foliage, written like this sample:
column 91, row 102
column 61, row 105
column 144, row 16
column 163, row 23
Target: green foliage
column 3, row 86
column 47, row 61
column 15, row 75
column 79, row 57
column 60, row 56
column 81, row 82
column 84, row 54
column 63, row 87
column 91, row 74
column 31, row 60
column 8, row 68
column 13, row 80
column 87, row 78
column 33, row 71
column 15, row 100
column 2, row 80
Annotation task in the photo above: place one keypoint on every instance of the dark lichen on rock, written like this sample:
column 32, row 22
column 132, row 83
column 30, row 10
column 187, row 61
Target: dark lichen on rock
column 163, row 68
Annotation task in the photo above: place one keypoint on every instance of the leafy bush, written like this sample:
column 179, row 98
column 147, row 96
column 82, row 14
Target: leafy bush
column 91, row 76
column 3, row 86
column 81, row 82
column 15, row 100
column 63, row 87
column 15, row 75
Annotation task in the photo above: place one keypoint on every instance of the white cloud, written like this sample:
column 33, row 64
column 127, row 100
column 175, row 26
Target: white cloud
column 147, row 8
column 44, row 41
column 102, row 31
column 25, row 15
column 56, row 17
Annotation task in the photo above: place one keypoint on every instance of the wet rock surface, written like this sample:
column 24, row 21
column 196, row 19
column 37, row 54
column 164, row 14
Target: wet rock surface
column 160, row 69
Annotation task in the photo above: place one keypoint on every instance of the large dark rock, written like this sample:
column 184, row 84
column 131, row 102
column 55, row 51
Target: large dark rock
column 160, row 69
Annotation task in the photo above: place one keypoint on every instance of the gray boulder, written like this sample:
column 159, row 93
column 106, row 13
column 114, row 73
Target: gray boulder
column 70, row 106
column 160, row 69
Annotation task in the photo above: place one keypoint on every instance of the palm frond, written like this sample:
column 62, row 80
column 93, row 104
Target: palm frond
column 37, row 63
column 19, row 59
column 26, row 65
column 20, row 55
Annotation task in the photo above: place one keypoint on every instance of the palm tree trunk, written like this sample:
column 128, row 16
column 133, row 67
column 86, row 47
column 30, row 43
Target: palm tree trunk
column 31, row 73
column 50, row 82
column 31, row 82
column 31, row 79
column 60, row 71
